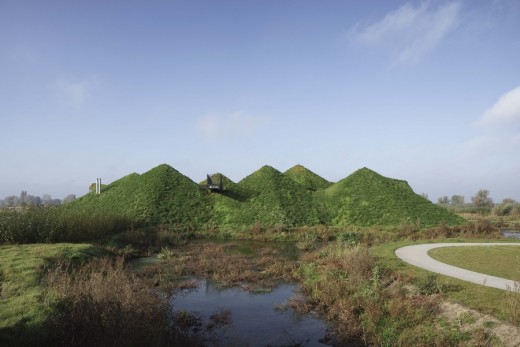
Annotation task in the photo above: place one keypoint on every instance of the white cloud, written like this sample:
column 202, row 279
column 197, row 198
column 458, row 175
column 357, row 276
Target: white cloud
column 498, row 127
column 209, row 127
column 505, row 111
column 71, row 91
column 237, row 124
column 409, row 33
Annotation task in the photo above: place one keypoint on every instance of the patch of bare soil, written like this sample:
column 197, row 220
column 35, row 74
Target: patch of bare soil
column 471, row 320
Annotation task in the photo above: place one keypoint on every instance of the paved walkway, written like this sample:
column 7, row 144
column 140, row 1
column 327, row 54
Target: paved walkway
column 418, row 255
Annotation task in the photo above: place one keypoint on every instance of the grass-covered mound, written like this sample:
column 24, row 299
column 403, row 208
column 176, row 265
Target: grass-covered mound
column 226, row 206
column 268, row 198
column 229, row 188
column 162, row 195
column 307, row 178
column 365, row 198
column 275, row 199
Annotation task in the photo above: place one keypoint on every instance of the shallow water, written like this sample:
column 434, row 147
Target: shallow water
column 514, row 234
column 255, row 320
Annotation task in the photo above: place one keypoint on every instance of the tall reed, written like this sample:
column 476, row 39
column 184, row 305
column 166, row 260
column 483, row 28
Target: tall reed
column 45, row 225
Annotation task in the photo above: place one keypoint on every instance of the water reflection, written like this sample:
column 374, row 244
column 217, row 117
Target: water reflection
column 255, row 320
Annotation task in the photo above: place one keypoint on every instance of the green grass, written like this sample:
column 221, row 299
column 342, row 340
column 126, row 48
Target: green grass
column 266, row 198
column 22, row 309
column 159, row 196
column 365, row 198
column 275, row 199
column 307, row 178
column 484, row 299
column 496, row 261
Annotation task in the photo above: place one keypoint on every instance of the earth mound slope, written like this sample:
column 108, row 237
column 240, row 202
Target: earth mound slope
column 366, row 198
column 161, row 195
column 307, row 178
column 275, row 199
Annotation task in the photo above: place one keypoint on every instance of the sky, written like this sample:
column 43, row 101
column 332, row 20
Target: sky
column 424, row 91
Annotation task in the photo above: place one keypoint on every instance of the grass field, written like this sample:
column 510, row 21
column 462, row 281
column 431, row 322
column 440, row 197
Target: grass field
column 21, row 293
column 24, row 305
column 496, row 261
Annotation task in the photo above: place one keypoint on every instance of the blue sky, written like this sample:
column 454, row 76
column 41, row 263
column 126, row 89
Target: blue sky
column 425, row 91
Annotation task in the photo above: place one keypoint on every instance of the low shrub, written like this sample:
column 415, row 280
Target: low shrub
column 348, row 238
column 431, row 285
column 513, row 304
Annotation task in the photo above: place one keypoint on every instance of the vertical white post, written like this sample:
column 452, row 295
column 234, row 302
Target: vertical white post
column 98, row 185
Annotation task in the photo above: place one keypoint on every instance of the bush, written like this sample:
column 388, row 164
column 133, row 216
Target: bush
column 503, row 209
column 350, row 239
column 431, row 285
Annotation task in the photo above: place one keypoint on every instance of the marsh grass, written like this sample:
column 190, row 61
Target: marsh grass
column 367, row 302
column 228, row 268
column 146, row 241
column 370, row 236
column 50, row 225
column 101, row 304
column 512, row 300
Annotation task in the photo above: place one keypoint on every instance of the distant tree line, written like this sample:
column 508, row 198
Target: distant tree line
column 25, row 199
column 480, row 202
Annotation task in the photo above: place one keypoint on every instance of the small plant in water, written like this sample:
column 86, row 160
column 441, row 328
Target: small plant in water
column 307, row 242
column 188, row 285
column 187, row 320
column 165, row 253
column 220, row 319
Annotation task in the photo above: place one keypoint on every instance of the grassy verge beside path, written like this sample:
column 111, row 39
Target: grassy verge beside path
column 484, row 299
column 22, row 308
column 496, row 261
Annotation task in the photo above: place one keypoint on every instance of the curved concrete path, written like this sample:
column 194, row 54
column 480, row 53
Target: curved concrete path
column 418, row 255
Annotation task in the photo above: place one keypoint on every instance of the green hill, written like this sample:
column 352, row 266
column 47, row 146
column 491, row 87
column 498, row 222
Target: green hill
column 275, row 199
column 365, row 198
column 226, row 206
column 161, row 195
column 295, row 198
column 307, row 178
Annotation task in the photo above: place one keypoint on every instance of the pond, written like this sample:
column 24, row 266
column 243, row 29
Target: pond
column 244, row 315
column 250, row 319
column 514, row 234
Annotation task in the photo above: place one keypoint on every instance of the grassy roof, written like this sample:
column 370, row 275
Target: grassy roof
column 295, row 198
column 161, row 195
column 307, row 178
column 366, row 198
column 273, row 198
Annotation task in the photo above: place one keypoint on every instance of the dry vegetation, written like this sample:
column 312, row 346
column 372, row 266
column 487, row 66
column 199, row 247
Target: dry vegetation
column 100, row 304
column 376, row 306
column 227, row 267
